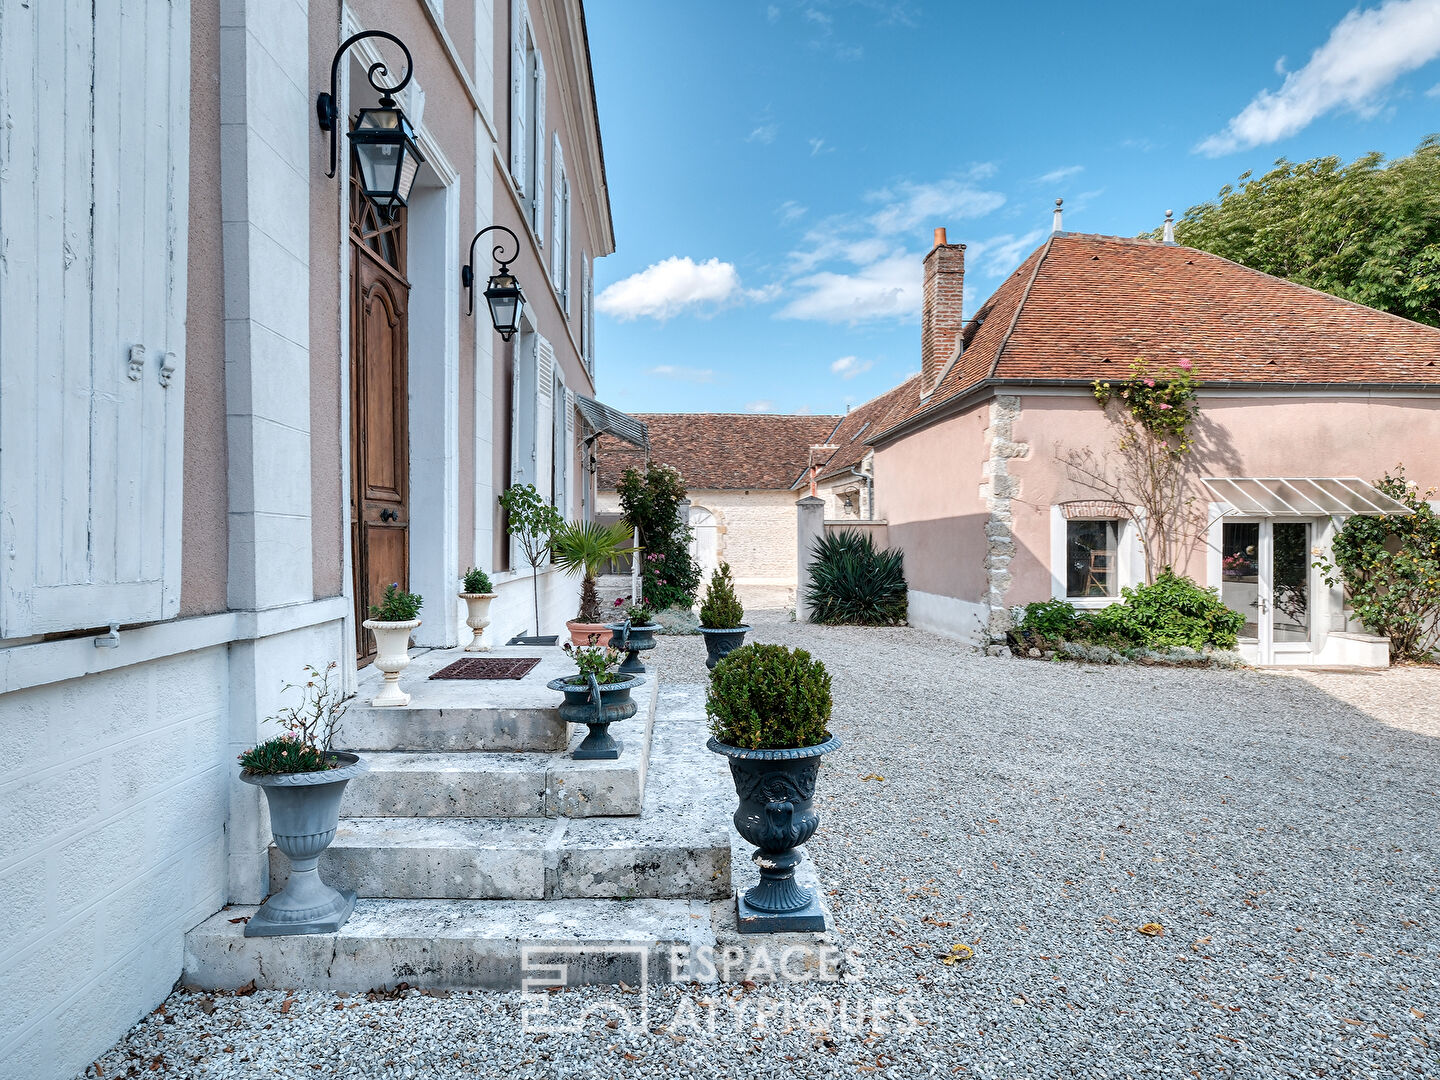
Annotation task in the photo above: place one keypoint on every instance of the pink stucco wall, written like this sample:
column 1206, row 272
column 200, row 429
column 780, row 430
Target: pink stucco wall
column 927, row 483
column 927, row 486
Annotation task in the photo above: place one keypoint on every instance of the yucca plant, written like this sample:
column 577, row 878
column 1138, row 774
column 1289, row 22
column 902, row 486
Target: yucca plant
column 583, row 547
column 852, row 582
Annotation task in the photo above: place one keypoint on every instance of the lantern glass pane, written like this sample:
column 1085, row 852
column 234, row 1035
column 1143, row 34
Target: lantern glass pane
column 504, row 311
column 379, row 164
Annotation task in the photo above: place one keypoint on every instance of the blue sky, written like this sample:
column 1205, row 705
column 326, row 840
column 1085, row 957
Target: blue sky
column 777, row 167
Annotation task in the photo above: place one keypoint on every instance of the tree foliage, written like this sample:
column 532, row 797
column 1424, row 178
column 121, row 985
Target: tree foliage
column 1367, row 231
column 651, row 500
column 1390, row 566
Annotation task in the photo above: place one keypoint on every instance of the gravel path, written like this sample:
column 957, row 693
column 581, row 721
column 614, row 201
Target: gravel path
column 1281, row 828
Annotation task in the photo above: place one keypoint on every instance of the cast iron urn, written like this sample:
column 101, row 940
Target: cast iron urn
column 632, row 640
column 721, row 643
column 777, row 814
column 597, row 706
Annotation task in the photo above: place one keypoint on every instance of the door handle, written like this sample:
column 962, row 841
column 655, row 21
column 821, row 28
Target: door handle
column 389, row 515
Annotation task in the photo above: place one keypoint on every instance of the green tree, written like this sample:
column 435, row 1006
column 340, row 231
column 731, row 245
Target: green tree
column 1390, row 566
column 1367, row 231
column 533, row 522
column 651, row 500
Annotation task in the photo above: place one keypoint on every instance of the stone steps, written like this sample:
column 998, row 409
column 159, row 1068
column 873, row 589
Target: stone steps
column 461, row 714
column 483, row 784
column 484, row 859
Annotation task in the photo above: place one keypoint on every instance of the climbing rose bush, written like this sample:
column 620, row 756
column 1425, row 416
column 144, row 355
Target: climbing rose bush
column 1390, row 567
column 1159, row 399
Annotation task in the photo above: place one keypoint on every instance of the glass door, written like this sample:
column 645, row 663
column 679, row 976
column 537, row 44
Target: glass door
column 1265, row 575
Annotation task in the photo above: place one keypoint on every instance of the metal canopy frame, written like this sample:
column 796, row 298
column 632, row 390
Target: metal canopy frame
column 1302, row 496
column 604, row 420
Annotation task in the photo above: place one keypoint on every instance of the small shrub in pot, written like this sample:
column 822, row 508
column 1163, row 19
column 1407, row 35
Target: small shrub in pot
column 769, row 709
column 722, row 618
column 392, row 621
column 303, row 780
column 478, row 594
column 597, row 695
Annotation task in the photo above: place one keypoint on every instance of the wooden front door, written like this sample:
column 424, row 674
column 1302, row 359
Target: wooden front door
column 379, row 410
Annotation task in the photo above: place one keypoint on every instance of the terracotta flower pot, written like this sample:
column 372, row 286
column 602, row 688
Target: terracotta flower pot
column 304, row 813
column 477, row 618
column 581, row 632
column 392, row 656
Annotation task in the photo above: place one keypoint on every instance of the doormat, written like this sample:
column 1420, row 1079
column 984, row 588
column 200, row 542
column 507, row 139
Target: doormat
column 488, row 667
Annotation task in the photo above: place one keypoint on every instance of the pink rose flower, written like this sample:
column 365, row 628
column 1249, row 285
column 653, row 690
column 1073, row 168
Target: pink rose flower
column 1186, row 365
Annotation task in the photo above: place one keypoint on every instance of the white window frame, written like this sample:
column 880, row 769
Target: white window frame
column 519, row 85
column 1129, row 558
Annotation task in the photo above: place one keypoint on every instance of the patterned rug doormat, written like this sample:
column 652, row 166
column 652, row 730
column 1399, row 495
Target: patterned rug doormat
column 488, row 667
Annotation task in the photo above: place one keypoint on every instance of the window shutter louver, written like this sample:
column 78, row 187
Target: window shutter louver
column 94, row 182
column 567, row 442
column 566, row 267
column 590, row 322
column 519, row 74
column 537, row 202
column 557, row 435
column 557, row 185
column 542, row 446
column 585, row 309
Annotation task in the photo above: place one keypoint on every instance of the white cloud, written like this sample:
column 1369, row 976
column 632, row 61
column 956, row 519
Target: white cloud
column 790, row 211
column 665, row 289
column 683, row 374
column 760, row 406
column 847, row 367
column 817, row 145
column 887, row 288
column 909, row 205
column 1054, row 176
column 764, row 133
column 878, row 276
column 998, row 255
column 1434, row 91
column 1365, row 53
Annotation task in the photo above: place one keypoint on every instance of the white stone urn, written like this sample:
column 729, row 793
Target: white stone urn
column 477, row 617
column 392, row 656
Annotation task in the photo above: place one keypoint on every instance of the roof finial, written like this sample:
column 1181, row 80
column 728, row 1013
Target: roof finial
column 1169, row 226
column 1056, row 227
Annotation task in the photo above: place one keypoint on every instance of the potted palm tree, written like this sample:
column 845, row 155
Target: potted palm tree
column 722, row 619
column 583, row 547
column 303, row 780
column 392, row 621
column 477, row 592
column 597, row 695
column 769, row 710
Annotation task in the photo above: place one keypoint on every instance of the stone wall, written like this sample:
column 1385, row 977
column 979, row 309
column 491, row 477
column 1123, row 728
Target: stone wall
column 116, row 789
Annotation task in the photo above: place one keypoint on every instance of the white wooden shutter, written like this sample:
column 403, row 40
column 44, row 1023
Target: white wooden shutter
column 567, row 442
column 537, row 201
column 522, row 413
column 557, row 193
column 543, row 445
column 585, row 310
column 519, row 75
column 590, row 321
column 566, row 267
column 94, row 186
column 558, row 455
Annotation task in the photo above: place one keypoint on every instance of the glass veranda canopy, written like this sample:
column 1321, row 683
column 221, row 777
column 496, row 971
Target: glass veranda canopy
column 1304, row 496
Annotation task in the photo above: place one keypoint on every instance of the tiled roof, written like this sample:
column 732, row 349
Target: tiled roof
column 721, row 450
column 1083, row 307
column 863, row 421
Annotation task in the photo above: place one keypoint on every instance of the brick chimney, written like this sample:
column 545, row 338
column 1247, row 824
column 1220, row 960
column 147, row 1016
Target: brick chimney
column 941, row 322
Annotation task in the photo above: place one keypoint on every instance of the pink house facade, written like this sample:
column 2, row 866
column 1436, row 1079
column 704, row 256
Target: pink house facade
column 1305, row 400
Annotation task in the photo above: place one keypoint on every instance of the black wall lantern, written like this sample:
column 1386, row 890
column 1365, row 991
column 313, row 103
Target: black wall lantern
column 382, row 139
column 503, row 293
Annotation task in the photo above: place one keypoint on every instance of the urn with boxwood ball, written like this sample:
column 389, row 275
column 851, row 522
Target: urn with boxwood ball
column 304, row 813
column 768, row 708
column 597, row 705
column 722, row 618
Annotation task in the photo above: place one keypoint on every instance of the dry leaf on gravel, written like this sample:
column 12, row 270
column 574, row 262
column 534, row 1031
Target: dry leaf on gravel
column 1151, row 929
column 957, row 953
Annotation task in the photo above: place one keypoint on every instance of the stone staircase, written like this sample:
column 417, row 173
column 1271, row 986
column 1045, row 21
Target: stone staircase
column 479, row 847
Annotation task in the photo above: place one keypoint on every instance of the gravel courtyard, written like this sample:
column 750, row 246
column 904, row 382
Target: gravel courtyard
column 1280, row 828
